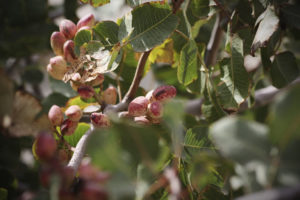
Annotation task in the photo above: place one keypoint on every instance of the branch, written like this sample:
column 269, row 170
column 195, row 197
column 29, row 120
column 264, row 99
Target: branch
column 79, row 150
column 133, row 87
column 214, row 43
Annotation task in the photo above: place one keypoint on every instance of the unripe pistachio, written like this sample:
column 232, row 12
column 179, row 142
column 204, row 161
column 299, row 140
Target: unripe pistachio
column 67, row 175
column 55, row 115
column 141, row 120
column 68, row 28
column 155, row 109
column 57, row 67
column 110, row 95
column 164, row 93
column 45, row 176
column 100, row 120
column 69, row 52
column 90, row 173
column 57, row 41
column 98, row 81
column 68, row 127
column 74, row 113
column 138, row 106
column 45, row 146
column 149, row 95
column 87, row 20
column 85, row 91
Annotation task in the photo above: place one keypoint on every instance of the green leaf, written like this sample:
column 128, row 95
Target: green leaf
column 200, row 8
column 80, row 102
column 268, row 25
column 284, row 69
column 285, row 117
column 107, row 32
column 188, row 64
column 291, row 15
column 240, row 140
column 234, row 76
column 61, row 87
column 196, row 140
column 81, row 129
column 81, row 37
column 54, row 99
column 96, row 3
column 134, row 3
column 147, row 26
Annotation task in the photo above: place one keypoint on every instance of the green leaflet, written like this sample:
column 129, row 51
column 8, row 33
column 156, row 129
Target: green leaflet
column 188, row 63
column 235, row 88
column 147, row 26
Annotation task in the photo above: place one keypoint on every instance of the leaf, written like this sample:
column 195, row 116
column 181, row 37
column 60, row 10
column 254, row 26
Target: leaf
column 234, row 76
column 147, row 26
column 200, row 8
column 26, row 117
column 196, row 140
column 105, row 60
column 107, row 32
column 3, row 193
column 59, row 86
column 82, row 37
column 134, row 3
column 268, row 25
column 291, row 15
column 285, row 117
column 96, row 3
column 188, row 63
column 54, row 99
column 240, row 140
column 81, row 129
column 162, row 53
column 79, row 102
column 211, row 107
column 284, row 69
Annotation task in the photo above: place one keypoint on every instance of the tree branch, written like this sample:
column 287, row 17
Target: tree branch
column 80, row 150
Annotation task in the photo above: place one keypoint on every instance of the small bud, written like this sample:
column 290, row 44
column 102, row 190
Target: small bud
column 155, row 109
column 87, row 20
column 68, row 28
column 55, row 115
column 45, row 146
column 149, row 95
column 74, row 113
column 68, row 127
column 98, row 81
column 164, row 93
column 100, row 120
column 69, row 52
column 86, row 91
column 110, row 95
column 138, row 106
column 57, row 67
column 57, row 41
column 141, row 120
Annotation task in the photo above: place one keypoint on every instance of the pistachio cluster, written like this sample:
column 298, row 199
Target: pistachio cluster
column 149, row 109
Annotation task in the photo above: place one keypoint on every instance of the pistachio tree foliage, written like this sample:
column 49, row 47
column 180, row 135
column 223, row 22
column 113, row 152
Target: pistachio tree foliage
column 223, row 122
